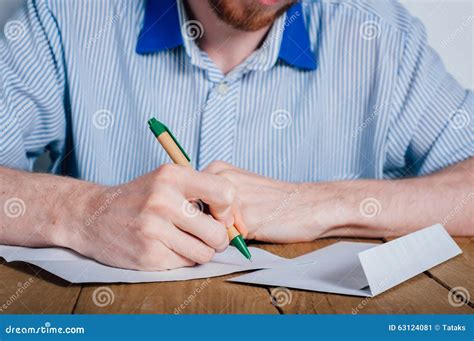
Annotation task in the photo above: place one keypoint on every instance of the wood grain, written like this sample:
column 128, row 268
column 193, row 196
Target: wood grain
column 457, row 275
column 201, row 296
column 27, row 289
column 46, row 293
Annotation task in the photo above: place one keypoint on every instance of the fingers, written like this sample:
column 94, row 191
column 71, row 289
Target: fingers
column 182, row 243
column 204, row 227
column 156, row 256
column 239, row 220
column 232, row 173
column 189, row 247
column 238, row 175
column 216, row 191
column 171, row 206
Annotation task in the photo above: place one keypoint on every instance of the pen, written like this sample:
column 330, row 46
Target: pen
column 179, row 156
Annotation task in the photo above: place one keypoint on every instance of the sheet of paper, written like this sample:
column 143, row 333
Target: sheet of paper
column 78, row 269
column 392, row 263
column 362, row 269
column 335, row 269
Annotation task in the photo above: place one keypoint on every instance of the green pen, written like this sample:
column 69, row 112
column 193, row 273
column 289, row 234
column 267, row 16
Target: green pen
column 179, row 156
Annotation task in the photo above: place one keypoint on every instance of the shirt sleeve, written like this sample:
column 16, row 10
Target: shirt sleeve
column 432, row 122
column 32, row 88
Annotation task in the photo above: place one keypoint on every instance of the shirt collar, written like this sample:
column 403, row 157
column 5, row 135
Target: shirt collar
column 162, row 31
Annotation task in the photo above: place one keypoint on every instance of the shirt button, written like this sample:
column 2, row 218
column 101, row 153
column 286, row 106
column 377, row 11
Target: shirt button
column 223, row 88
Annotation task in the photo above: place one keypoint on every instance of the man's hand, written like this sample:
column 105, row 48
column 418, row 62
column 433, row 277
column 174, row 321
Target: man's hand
column 147, row 224
column 282, row 212
column 279, row 212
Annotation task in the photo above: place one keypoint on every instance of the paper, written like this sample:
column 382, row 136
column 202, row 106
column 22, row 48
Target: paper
column 362, row 269
column 350, row 268
column 79, row 269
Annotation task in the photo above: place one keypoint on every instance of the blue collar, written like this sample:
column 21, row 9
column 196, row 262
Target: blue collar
column 161, row 31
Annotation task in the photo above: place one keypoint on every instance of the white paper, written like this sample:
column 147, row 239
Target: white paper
column 362, row 269
column 75, row 268
column 392, row 263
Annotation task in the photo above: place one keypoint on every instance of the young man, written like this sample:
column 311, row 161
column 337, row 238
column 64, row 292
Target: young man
column 315, row 111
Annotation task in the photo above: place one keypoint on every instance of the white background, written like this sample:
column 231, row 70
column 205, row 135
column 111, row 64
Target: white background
column 449, row 24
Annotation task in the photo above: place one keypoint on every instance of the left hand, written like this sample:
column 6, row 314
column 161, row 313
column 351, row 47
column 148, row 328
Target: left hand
column 276, row 211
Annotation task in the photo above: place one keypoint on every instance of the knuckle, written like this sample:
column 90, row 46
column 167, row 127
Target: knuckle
column 228, row 193
column 228, row 174
column 160, row 201
column 146, row 229
column 217, row 166
column 164, row 207
column 167, row 173
column 204, row 254
column 143, row 260
column 219, row 237
column 152, row 257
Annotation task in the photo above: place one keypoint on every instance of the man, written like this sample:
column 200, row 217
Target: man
column 328, row 118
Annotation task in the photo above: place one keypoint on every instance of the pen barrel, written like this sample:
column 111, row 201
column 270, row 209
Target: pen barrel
column 172, row 149
column 178, row 156
column 232, row 232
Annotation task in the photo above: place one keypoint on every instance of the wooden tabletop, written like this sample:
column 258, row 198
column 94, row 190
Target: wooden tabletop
column 427, row 293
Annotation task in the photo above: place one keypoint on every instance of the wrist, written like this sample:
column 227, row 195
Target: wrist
column 335, row 205
column 70, row 207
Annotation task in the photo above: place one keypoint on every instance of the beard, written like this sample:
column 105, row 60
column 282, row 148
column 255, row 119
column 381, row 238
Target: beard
column 247, row 15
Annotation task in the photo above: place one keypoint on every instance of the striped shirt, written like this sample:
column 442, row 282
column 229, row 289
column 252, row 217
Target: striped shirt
column 337, row 90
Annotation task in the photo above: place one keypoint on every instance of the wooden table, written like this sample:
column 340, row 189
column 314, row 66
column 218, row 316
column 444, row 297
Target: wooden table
column 427, row 293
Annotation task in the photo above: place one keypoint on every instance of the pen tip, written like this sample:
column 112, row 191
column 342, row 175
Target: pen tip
column 250, row 259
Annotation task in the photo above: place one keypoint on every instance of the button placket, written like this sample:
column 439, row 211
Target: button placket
column 218, row 125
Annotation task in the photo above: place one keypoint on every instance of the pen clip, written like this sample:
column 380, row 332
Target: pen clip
column 177, row 143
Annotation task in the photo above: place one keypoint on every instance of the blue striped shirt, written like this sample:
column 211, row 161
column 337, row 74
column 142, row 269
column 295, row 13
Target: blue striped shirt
column 337, row 90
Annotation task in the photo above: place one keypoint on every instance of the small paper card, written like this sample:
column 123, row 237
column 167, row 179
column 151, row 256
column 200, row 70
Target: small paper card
column 362, row 269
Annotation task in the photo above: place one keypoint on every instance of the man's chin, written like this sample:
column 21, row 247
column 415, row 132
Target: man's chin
column 249, row 15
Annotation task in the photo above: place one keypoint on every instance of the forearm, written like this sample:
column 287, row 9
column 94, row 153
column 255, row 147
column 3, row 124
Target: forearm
column 379, row 208
column 40, row 209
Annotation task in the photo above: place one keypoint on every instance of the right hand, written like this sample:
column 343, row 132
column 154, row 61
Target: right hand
column 149, row 224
